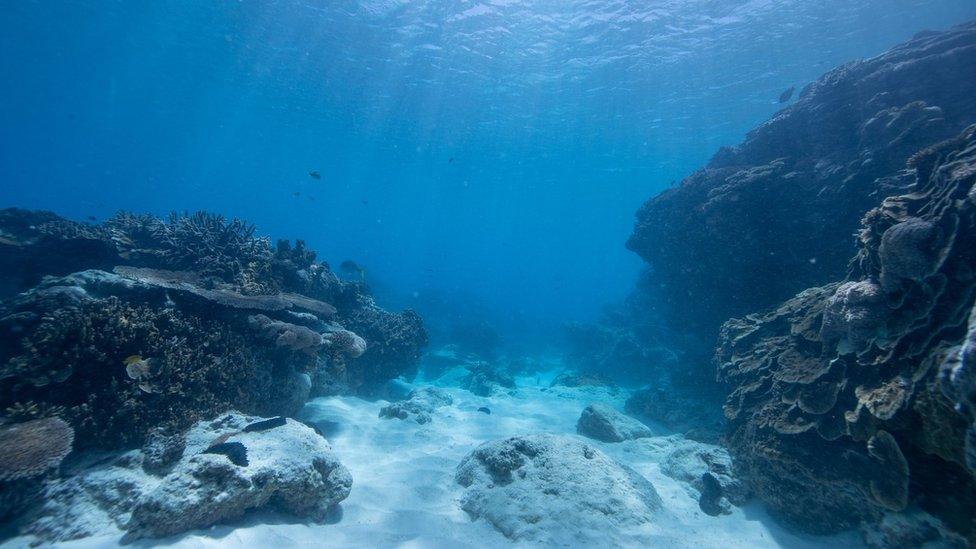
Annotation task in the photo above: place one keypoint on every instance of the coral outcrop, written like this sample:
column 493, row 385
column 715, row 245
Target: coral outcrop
column 773, row 215
column 33, row 447
column 152, row 325
column 855, row 398
column 28, row 451
column 552, row 490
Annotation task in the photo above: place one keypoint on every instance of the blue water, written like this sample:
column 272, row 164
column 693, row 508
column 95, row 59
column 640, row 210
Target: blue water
column 479, row 158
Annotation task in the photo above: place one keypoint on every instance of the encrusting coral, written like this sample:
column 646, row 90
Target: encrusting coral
column 28, row 451
column 33, row 447
column 855, row 398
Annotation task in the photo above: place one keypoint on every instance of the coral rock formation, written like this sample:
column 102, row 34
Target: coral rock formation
column 177, row 320
column 855, row 398
column 774, row 215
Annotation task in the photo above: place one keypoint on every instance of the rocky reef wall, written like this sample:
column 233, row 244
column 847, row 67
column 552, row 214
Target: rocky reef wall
column 775, row 214
column 833, row 256
column 855, row 398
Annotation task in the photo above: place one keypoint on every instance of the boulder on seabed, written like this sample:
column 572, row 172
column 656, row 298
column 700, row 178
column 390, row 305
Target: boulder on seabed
column 554, row 490
column 708, row 470
column 601, row 422
column 289, row 466
column 230, row 465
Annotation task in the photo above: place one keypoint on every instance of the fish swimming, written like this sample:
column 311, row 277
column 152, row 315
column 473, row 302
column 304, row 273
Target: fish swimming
column 140, row 370
column 786, row 95
column 314, row 174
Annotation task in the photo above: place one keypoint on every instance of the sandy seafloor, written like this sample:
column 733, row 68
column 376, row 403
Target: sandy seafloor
column 404, row 494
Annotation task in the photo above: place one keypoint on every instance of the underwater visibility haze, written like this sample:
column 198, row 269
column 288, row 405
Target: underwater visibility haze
column 391, row 273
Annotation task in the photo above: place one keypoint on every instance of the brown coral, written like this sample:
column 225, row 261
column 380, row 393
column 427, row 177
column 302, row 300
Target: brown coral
column 33, row 447
column 851, row 415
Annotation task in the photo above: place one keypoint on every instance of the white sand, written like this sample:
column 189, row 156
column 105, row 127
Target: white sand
column 404, row 493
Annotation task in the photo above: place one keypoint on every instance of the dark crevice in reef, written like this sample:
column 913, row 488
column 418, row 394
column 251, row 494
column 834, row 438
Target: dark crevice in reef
column 848, row 362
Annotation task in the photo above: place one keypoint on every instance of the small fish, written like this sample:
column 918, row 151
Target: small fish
column 786, row 95
column 314, row 174
column 450, row 160
column 484, row 410
column 235, row 452
column 265, row 424
column 296, row 194
column 140, row 370
column 91, row 218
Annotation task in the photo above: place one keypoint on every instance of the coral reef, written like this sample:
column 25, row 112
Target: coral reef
column 910, row 529
column 855, row 398
column 552, row 490
column 177, row 320
column 74, row 355
column 37, row 244
column 628, row 344
column 393, row 343
column 774, row 215
column 201, row 242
